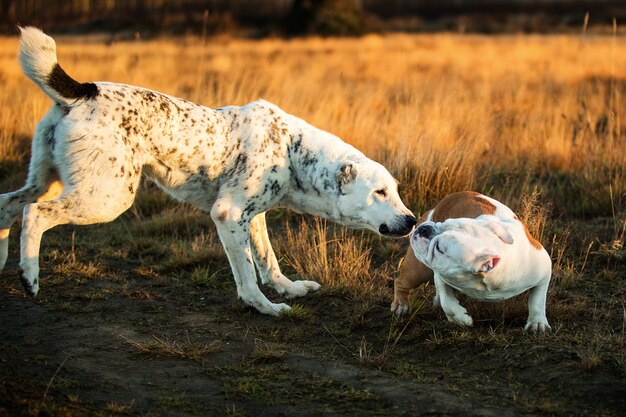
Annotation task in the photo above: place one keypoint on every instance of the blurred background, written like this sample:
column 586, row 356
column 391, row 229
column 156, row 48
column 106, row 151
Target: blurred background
column 259, row 18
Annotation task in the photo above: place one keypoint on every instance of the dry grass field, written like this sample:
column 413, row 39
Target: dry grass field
column 140, row 317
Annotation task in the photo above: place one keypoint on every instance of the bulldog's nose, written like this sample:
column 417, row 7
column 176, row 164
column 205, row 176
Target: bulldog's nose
column 425, row 231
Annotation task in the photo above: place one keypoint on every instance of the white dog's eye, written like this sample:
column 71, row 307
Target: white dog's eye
column 438, row 248
column 382, row 192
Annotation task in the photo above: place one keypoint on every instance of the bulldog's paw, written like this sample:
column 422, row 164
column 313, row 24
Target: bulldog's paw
column 301, row 288
column 436, row 301
column 461, row 318
column 400, row 308
column 537, row 326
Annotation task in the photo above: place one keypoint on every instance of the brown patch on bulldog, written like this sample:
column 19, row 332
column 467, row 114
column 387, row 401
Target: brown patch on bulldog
column 469, row 204
column 536, row 244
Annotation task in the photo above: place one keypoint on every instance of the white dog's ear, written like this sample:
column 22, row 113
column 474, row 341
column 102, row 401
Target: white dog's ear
column 486, row 261
column 500, row 231
column 346, row 176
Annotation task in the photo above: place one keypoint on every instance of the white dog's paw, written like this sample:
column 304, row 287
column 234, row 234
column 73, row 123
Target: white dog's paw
column 273, row 309
column 262, row 304
column 461, row 318
column 537, row 326
column 29, row 277
column 400, row 309
column 301, row 288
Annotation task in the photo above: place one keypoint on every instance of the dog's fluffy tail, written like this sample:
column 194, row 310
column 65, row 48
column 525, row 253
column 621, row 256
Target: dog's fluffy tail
column 38, row 56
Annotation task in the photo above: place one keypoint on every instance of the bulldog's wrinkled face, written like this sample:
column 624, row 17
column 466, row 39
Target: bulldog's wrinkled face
column 459, row 247
column 369, row 199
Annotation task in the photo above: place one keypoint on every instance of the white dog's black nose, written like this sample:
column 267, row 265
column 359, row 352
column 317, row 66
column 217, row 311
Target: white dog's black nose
column 402, row 226
column 425, row 231
column 410, row 221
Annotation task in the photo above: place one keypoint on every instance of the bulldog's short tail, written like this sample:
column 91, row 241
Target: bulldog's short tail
column 38, row 56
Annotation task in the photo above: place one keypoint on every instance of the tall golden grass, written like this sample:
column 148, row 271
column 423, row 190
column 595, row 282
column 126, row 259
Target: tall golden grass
column 443, row 112
column 531, row 120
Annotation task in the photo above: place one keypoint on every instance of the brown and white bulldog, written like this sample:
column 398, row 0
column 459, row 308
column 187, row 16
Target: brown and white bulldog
column 474, row 244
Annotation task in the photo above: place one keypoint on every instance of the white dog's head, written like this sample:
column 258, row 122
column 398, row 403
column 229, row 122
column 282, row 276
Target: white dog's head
column 368, row 199
column 460, row 247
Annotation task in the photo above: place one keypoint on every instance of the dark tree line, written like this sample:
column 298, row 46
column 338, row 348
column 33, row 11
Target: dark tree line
column 284, row 17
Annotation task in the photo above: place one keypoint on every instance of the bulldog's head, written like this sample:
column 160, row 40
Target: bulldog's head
column 368, row 199
column 458, row 247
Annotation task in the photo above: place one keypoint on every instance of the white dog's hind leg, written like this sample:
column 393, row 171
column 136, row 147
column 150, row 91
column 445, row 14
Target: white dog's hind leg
column 450, row 305
column 537, row 321
column 234, row 233
column 40, row 175
column 267, row 264
column 11, row 205
column 82, row 204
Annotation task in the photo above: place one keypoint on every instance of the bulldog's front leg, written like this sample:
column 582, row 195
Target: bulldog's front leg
column 450, row 305
column 537, row 321
column 234, row 232
column 413, row 273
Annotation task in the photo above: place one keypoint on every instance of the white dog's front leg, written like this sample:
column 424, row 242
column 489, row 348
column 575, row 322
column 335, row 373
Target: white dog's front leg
column 234, row 233
column 450, row 305
column 537, row 321
column 267, row 263
column 4, row 247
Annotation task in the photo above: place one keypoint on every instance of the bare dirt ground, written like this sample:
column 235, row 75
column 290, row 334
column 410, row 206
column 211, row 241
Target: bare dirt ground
column 121, row 331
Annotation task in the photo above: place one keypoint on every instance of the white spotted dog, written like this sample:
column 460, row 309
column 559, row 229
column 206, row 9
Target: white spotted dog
column 233, row 162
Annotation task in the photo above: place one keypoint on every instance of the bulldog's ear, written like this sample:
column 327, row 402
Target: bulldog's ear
column 346, row 177
column 486, row 261
column 500, row 231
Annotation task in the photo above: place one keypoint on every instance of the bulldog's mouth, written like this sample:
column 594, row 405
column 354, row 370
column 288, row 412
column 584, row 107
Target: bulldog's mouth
column 421, row 246
column 432, row 247
column 414, row 237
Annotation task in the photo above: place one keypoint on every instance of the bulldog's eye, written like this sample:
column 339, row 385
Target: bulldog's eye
column 438, row 248
column 382, row 192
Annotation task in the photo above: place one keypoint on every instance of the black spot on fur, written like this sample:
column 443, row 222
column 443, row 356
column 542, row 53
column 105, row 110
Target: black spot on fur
column 49, row 135
column 275, row 188
column 296, row 144
column 67, row 87
column 240, row 165
column 165, row 108
column 308, row 159
column 148, row 95
column 249, row 209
